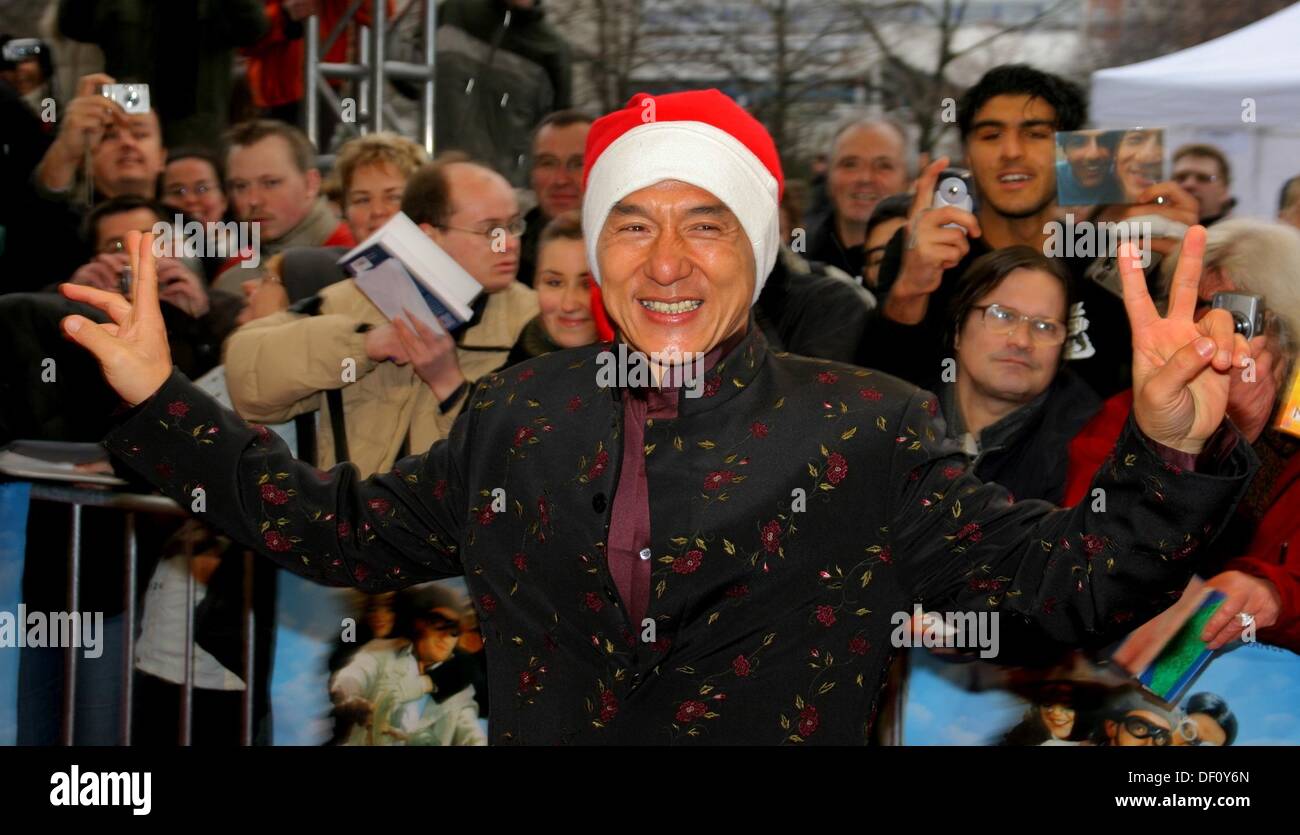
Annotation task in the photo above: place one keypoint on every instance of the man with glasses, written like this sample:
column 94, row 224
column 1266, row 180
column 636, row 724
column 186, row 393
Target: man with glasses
column 1132, row 721
column 401, row 385
column 556, row 178
column 1203, row 171
column 1010, row 402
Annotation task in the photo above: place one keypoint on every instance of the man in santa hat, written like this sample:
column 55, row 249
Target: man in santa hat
column 652, row 567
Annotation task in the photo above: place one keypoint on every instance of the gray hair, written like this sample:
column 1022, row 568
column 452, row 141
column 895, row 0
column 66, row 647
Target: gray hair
column 1263, row 258
column 909, row 153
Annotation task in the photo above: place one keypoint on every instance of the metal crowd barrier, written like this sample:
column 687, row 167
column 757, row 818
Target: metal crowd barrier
column 131, row 504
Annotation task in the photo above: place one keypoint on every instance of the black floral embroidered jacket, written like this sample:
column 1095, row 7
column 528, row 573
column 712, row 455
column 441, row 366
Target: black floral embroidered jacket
column 796, row 507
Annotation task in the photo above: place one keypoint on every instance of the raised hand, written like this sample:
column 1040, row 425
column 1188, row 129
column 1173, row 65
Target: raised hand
column 132, row 349
column 1181, row 368
column 932, row 247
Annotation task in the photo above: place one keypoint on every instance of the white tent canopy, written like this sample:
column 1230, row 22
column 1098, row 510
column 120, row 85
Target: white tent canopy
column 1240, row 92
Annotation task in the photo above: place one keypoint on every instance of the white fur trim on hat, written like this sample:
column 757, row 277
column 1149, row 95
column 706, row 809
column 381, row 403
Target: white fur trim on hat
column 695, row 153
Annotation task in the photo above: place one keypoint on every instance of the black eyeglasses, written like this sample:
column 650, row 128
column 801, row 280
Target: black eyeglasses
column 1139, row 728
column 1002, row 320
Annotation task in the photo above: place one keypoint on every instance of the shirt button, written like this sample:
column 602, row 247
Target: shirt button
column 598, row 502
column 645, row 553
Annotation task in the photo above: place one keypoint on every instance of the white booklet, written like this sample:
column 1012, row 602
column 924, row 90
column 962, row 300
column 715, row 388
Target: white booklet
column 399, row 268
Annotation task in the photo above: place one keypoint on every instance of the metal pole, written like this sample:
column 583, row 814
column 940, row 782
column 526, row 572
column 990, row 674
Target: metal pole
column 250, row 675
column 363, row 84
column 74, row 605
column 427, row 100
column 311, row 99
column 378, row 32
column 187, row 687
column 128, row 642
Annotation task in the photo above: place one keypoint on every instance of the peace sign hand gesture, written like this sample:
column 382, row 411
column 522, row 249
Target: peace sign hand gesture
column 1181, row 368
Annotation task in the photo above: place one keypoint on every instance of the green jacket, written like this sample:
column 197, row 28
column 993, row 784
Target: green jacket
column 183, row 50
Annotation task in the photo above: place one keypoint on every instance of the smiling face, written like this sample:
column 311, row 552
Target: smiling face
column 866, row 165
column 564, row 293
column 1012, row 367
column 677, row 269
column 1058, row 718
column 435, row 641
column 129, row 159
column 191, row 185
column 1011, row 150
column 373, row 196
column 475, row 233
column 1089, row 159
column 1138, row 160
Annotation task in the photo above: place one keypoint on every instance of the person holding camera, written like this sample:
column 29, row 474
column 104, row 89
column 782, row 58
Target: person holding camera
column 1252, row 268
column 1007, row 122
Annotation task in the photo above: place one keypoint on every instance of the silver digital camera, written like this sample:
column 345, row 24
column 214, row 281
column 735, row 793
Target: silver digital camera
column 1247, row 312
column 134, row 98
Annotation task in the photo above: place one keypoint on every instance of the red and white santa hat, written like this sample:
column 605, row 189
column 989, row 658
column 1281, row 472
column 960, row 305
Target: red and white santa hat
column 702, row 138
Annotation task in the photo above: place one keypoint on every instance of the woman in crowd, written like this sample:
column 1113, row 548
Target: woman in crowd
column 1258, row 570
column 564, row 293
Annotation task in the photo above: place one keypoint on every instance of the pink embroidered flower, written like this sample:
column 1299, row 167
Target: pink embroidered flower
column 931, row 406
column 486, row 515
column 828, row 377
column 689, row 711
column 859, row 645
column 717, row 479
column 380, row 506
column 836, row 468
column 360, row 573
column 826, row 615
column 344, row 530
column 739, row 590
column 870, row 394
column 971, row 531
column 575, row 403
column 277, row 541
column 178, row 409
column 886, row 555
column 593, row 601
column 598, row 465
column 740, row 666
column 487, row 603
column 608, row 706
column 758, row 430
column 809, row 721
column 522, row 434
column 525, row 374
column 440, row 488
column 273, row 495
column 712, row 384
column 521, row 561
column 688, row 562
column 527, row 681
column 1092, row 544
column 771, row 536
column 950, row 472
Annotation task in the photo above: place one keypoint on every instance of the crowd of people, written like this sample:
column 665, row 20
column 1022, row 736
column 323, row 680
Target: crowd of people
column 1029, row 354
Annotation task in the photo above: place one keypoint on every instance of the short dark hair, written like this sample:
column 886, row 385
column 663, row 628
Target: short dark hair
column 1290, row 194
column 196, row 152
column 562, row 119
column 889, row 208
column 1200, row 149
column 566, row 226
column 1067, row 99
column 989, row 270
column 115, row 206
column 427, row 198
column 253, row 131
column 1217, row 709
